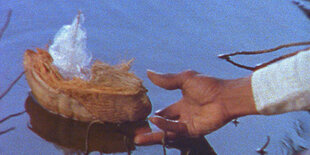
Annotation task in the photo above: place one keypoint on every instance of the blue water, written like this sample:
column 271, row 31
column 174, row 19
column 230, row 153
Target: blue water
column 165, row 36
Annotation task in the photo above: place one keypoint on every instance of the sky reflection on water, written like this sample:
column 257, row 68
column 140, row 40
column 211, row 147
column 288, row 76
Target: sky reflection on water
column 166, row 36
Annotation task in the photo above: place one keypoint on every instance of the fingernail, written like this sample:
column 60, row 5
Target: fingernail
column 137, row 140
column 152, row 119
column 157, row 112
column 152, row 71
column 149, row 70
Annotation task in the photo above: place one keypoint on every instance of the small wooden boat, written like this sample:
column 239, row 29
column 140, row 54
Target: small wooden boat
column 112, row 94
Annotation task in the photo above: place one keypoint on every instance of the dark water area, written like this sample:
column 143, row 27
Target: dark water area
column 165, row 36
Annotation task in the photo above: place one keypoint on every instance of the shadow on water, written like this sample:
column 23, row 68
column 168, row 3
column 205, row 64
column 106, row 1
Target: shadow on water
column 303, row 7
column 193, row 146
column 70, row 136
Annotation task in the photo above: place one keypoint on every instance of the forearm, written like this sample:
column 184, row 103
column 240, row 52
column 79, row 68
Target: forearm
column 238, row 97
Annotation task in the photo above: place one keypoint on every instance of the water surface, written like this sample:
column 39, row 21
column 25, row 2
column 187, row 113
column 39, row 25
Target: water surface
column 165, row 36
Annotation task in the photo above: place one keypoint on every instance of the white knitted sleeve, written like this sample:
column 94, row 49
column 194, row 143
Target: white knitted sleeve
column 283, row 86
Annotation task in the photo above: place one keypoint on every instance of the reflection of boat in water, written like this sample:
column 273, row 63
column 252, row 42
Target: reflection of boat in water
column 70, row 135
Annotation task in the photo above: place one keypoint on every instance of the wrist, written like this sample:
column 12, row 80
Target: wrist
column 238, row 98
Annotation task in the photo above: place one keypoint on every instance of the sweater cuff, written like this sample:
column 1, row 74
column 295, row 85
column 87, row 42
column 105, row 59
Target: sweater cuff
column 283, row 86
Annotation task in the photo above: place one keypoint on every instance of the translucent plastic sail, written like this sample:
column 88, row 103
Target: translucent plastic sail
column 69, row 50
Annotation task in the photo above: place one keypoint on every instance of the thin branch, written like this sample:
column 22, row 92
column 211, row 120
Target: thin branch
column 275, row 60
column 264, row 51
column 11, row 85
column 10, row 116
column 87, row 135
column 77, row 26
column 227, row 57
column 237, row 64
column 236, row 122
column 7, row 130
column 164, row 142
column 303, row 8
column 6, row 24
column 262, row 151
column 125, row 140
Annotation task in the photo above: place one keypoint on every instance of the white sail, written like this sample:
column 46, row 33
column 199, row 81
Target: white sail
column 69, row 50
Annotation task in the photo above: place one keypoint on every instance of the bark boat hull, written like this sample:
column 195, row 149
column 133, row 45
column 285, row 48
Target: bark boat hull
column 80, row 100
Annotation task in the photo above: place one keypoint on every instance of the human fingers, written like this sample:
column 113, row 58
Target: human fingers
column 169, row 125
column 143, row 130
column 172, row 112
column 153, row 138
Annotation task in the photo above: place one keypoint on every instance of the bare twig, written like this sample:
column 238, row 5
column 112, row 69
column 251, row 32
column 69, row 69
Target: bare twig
column 6, row 24
column 236, row 122
column 299, row 127
column 265, row 51
column 227, row 57
column 87, row 134
column 125, row 139
column 11, row 85
column 275, row 60
column 164, row 143
column 288, row 144
column 7, row 130
column 237, row 64
column 77, row 27
column 262, row 151
column 12, row 115
column 303, row 8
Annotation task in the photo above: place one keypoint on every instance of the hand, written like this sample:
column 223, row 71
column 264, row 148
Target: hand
column 206, row 105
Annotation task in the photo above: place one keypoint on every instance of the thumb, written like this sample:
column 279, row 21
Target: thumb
column 168, row 81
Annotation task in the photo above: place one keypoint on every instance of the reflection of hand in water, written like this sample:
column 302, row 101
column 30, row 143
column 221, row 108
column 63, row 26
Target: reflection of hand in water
column 207, row 104
column 186, row 145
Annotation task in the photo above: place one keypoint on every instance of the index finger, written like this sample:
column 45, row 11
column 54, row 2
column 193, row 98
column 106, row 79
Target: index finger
column 170, row 125
column 153, row 138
